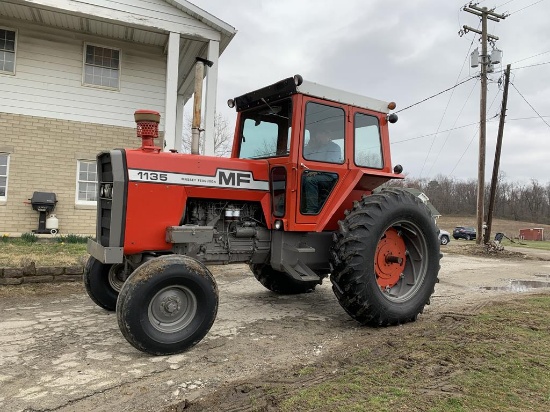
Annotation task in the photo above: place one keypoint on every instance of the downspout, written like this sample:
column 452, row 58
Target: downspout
column 197, row 103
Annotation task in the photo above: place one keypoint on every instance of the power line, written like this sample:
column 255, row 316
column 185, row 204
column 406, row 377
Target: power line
column 529, row 118
column 504, row 4
column 431, row 134
column 447, row 106
column 514, row 86
column 526, row 7
column 449, row 134
column 532, row 65
column 523, row 67
column 493, row 119
column 435, row 95
column 530, row 57
column 475, row 134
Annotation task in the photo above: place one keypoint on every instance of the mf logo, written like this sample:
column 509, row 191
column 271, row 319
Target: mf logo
column 231, row 178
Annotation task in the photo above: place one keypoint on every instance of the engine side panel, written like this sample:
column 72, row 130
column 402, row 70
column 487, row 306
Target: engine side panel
column 159, row 185
column 152, row 209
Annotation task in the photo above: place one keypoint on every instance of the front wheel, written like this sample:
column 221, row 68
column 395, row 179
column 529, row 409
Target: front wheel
column 167, row 305
column 385, row 259
column 103, row 282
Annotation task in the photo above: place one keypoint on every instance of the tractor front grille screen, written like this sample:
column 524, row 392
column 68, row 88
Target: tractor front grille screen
column 105, row 203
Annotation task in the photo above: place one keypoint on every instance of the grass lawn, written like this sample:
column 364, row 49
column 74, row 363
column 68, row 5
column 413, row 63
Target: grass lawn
column 496, row 360
column 543, row 245
column 18, row 252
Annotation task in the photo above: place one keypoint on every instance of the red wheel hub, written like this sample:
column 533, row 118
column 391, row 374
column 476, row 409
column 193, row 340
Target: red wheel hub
column 390, row 259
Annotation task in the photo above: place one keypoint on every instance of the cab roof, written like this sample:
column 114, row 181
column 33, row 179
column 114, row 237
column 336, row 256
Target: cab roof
column 288, row 87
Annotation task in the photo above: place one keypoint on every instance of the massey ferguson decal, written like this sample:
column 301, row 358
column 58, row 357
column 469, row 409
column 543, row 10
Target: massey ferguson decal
column 224, row 178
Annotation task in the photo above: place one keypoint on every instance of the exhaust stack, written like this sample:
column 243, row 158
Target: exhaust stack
column 197, row 103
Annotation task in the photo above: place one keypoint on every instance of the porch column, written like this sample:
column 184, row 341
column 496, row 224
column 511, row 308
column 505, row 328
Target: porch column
column 171, row 140
column 210, row 99
column 179, row 122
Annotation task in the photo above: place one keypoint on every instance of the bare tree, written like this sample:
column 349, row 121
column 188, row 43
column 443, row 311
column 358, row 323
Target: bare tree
column 223, row 136
column 514, row 200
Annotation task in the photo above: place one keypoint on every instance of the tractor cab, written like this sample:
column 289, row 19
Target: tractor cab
column 325, row 148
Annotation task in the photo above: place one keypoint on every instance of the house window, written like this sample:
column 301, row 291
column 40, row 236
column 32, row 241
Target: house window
column 86, row 184
column 101, row 66
column 4, row 163
column 7, row 51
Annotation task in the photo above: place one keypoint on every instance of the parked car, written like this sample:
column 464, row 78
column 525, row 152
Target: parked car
column 464, row 232
column 444, row 237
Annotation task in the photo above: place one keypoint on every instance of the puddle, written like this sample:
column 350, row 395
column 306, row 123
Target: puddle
column 543, row 275
column 521, row 285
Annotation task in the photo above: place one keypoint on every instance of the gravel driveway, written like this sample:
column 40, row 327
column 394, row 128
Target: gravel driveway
column 60, row 352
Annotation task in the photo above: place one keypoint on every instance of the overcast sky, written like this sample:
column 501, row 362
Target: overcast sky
column 404, row 51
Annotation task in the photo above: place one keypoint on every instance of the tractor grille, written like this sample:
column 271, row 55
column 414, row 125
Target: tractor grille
column 111, row 195
column 104, row 206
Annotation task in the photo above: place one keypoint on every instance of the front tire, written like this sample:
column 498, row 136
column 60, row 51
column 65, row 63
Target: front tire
column 280, row 282
column 103, row 282
column 385, row 259
column 167, row 305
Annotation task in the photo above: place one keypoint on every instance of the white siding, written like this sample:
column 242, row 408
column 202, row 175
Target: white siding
column 147, row 13
column 48, row 80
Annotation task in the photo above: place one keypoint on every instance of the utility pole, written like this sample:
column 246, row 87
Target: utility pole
column 485, row 14
column 498, row 149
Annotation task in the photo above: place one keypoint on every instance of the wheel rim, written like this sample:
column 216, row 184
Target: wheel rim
column 400, row 261
column 444, row 240
column 172, row 309
column 390, row 258
column 115, row 276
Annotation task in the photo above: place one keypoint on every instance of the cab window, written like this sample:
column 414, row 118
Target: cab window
column 368, row 147
column 265, row 131
column 324, row 133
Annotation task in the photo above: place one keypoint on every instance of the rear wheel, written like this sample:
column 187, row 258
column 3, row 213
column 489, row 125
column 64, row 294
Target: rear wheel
column 385, row 259
column 167, row 305
column 280, row 282
column 103, row 282
column 444, row 240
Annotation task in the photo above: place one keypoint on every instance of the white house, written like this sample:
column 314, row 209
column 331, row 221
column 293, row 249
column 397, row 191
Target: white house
column 72, row 73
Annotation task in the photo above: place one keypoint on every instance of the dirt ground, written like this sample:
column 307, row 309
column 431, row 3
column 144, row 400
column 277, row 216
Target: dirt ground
column 60, row 352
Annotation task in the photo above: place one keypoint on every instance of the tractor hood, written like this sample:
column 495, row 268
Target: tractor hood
column 196, row 171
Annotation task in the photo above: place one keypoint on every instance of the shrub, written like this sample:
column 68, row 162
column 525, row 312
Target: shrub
column 73, row 239
column 5, row 237
column 29, row 237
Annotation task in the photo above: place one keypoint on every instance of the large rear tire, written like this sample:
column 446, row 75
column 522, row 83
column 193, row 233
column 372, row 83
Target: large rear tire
column 385, row 258
column 103, row 282
column 281, row 282
column 167, row 305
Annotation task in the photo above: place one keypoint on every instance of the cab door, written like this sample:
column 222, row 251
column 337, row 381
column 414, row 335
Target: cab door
column 322, row 160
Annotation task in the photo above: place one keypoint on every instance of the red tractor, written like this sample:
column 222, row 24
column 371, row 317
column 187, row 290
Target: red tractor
column 296, row 201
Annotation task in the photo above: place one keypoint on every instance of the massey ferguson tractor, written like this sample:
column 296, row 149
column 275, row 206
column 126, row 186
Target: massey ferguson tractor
column 296, row 201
